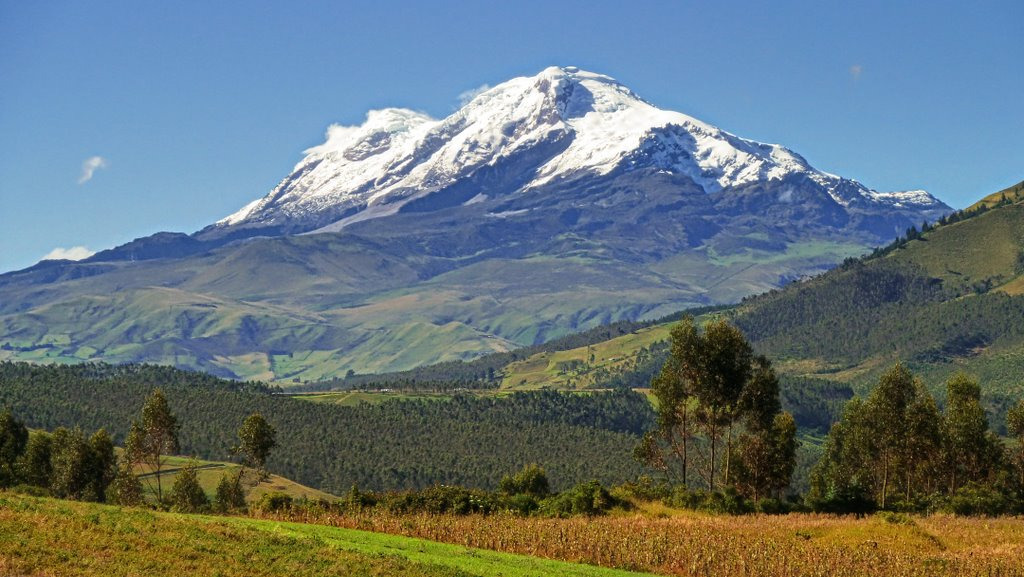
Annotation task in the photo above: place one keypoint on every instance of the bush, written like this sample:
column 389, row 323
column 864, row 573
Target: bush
column 356, row 500
column 522, row 504
column 584, row 499
column 977, row 500
column 531, row 480
column 230, row 494
column 442, row 499
column 771, row 507
column 186, row 494
column 126, row 489
column 851, row 499
column 274, row 502
column 644, row 489
column 31, row 490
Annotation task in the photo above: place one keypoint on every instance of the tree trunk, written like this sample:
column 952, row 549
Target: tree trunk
column 713, row 437
column 728, row 450
column 686, row 447
column 159, row 488
column 885, row 479
column 910, row 479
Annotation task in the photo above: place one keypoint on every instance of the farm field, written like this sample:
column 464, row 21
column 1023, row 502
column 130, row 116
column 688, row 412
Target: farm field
column 40, row 536
column 672, row 542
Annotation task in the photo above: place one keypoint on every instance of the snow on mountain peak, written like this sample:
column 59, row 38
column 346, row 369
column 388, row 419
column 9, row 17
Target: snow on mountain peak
column 571, row 122
column 380, row 126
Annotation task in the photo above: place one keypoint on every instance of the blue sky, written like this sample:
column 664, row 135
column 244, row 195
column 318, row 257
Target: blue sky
column 185, row 111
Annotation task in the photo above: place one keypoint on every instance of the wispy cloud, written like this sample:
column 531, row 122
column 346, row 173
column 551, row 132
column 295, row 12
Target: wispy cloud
column 855, row 72
column 73, row 253
column 468, row 95
column 90, row 166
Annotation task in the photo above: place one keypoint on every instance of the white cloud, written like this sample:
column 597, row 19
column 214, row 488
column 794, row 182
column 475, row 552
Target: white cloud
column 855, row 71
column 73, row 253
column 89, row 166
column 468, row 95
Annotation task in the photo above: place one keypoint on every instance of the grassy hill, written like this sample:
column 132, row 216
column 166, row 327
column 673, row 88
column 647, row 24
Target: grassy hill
column 582, row 367
column 209, row 474
column 950, row 299
column 308, row 308
column 947, row 301
column 1013, row 193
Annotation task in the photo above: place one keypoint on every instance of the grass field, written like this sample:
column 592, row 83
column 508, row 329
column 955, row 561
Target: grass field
column 352, row 398
column 574, row 368
column 209, row 474
column 50, row 537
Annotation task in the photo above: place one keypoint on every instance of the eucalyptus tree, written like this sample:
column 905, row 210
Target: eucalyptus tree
column 972, row 451
column 13, row 439
column 153, row 437
column 710, row 385
column 256, row 438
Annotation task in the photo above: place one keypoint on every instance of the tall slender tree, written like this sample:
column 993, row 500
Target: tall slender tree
column 1015, row 424
column 13, row 438
column 153, row 437
column 256, row 438
column 35, row 466
column 969, row 446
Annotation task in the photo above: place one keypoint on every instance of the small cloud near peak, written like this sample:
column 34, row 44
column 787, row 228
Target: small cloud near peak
column 73, row 253
column 855, row 72
column 466, row 96
column 90, row 166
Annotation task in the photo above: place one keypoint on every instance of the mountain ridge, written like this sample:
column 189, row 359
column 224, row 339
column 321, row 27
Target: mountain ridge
column 585, row 124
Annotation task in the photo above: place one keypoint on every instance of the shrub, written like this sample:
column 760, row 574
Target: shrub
column 274, row 502
column 442, row 499
column 522, row 504
column 644, row 489
column 531, row 480
column 31, row 490
column 975, row 499
column 584, row 499
column 187, row 496
column 126, row 489
column 230, row 494
column 849, row 499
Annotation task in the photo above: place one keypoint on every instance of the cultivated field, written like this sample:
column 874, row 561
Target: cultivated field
column 678, row 543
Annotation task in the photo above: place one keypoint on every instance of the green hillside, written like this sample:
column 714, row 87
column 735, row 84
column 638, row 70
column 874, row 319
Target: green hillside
column 309, row 308
column 948, row 299
column 1013, row 193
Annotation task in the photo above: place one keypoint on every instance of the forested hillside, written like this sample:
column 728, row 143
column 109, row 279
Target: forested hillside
column 395, row 445
column 943, row 299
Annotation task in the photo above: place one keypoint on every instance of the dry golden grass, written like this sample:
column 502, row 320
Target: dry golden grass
column 757, row 545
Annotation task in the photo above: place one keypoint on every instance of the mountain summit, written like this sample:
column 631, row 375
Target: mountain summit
column 531, row 133
column 545, row 205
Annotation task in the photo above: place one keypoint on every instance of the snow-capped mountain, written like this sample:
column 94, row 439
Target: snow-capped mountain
column 546, row 205
column 561, row 126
